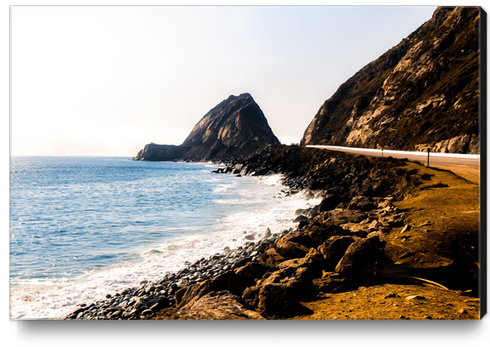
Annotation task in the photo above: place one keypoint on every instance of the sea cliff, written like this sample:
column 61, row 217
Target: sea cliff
column 424, row 93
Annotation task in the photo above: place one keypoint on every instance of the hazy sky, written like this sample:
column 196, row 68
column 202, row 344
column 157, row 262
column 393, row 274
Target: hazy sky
column 108, row 80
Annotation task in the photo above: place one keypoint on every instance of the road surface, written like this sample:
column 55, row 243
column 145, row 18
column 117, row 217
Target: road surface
column 464, row 165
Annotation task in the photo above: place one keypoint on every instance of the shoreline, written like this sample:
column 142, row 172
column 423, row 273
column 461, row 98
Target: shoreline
column 338, row 246
column 52, row 301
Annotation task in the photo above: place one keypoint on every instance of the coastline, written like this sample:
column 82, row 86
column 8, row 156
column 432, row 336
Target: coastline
column 233, row 205
column 269, row 278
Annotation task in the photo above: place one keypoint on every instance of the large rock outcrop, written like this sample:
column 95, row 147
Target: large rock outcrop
column 235, row 127
column 422, row 93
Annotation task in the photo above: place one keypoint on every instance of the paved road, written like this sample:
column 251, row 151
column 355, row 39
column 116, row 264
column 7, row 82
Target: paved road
column 467, row 166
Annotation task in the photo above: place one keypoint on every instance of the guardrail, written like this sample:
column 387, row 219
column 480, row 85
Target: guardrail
column 389, row 151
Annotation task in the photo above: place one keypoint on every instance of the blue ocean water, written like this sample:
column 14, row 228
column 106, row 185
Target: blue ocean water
column 81, row 227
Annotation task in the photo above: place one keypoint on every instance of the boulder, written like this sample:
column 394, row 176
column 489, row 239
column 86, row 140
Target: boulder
column 289, row 249
column 334, row 248
column 234, row 281
column 347, row 216
column 359, row 255
column 362, row 203
column 278, row 295
column 328, row 203
column 294, row 245
column 216, row 305
column 271, row 257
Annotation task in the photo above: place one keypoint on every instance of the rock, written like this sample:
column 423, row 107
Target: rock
column 301, row 219
column 334, row 248
column 249, row 237
column 329, row 202
column 359, row 255
column 314, row 258
column 347, row 216
column 293, row 263
column 278, row 295
column 290, row 249
column 361, row 203
column 236, row 126
column 216, row 305
column 331, row 282
column 271, row 257
column 156, row 152
column 268, row 233
column 273, row 299
column 373, row 225
column 377, row 234
column 322, row 232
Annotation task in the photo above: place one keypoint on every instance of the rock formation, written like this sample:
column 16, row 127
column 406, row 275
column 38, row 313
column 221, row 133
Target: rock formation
column 421, row 94
column 236, row 126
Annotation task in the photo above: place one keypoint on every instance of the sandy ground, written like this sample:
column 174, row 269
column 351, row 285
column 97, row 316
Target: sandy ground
column 391, row 301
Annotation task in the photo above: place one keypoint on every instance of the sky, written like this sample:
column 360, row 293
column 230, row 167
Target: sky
column 106, row 80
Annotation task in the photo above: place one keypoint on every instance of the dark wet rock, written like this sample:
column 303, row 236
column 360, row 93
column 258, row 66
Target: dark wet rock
column 301, row 219
column 329, row 202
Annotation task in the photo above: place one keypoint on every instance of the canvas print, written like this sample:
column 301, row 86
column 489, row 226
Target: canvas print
column 247, row 162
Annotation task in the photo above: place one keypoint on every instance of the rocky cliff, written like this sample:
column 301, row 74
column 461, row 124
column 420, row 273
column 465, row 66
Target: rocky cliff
column 235, row 127
column 422, row 93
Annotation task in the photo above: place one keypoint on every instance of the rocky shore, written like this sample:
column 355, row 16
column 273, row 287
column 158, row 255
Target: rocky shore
column 338, row 246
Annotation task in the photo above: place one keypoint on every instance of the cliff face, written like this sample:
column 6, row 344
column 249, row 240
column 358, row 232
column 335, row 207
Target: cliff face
column 422, row 93
column 236, row 126
column 154, row 152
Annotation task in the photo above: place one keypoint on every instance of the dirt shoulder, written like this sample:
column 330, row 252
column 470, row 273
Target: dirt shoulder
column 392, row 301
column 438, row 242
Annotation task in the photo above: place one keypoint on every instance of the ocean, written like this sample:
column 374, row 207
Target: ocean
column 85, row 227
